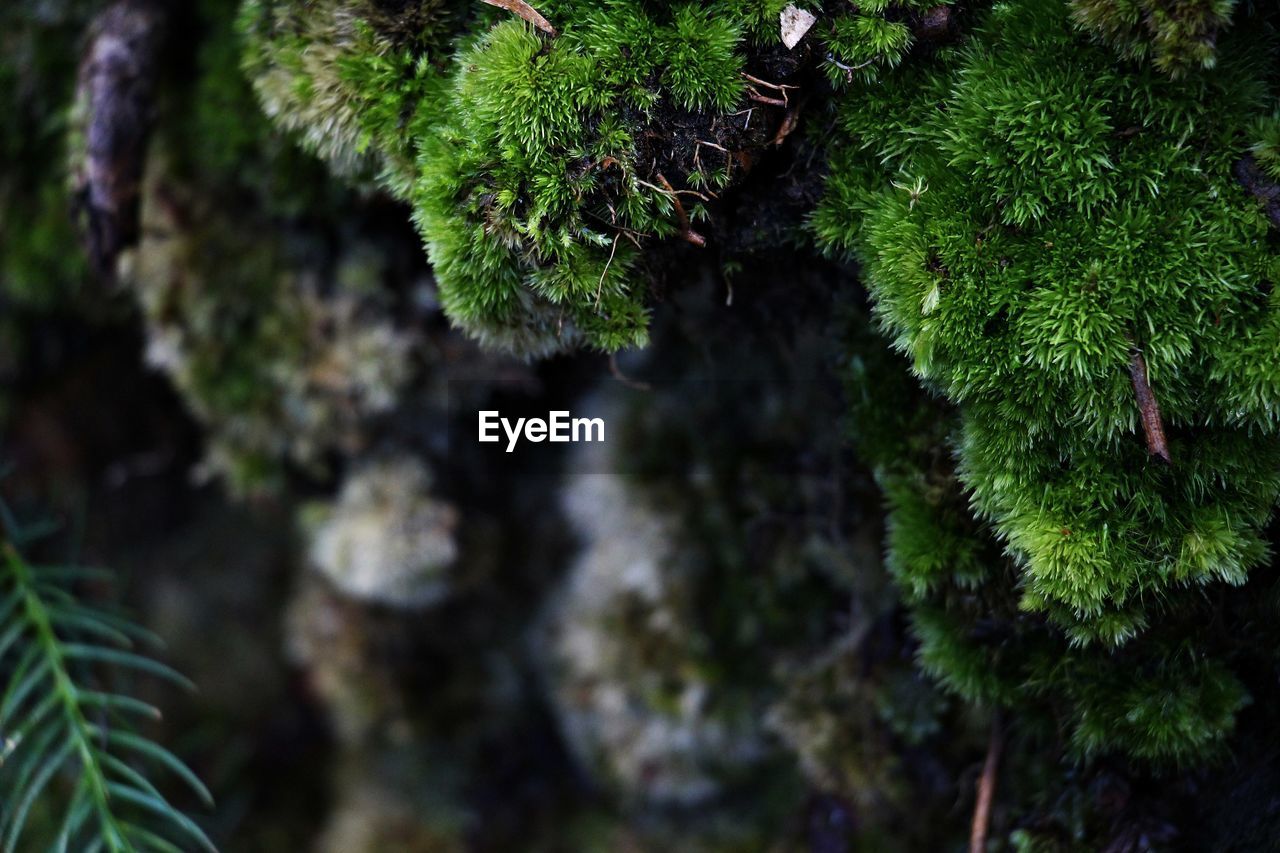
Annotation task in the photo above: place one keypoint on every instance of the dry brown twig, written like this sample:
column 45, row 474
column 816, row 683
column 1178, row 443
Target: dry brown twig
column 789, row 122
column 728, row 159
column 781, row 88
column 686, row 230
column 981, row 825
column 616, row 372
column 524, row 10
column 1148, row 406
column 752, row 94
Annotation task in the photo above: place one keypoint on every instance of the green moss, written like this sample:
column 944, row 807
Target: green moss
column 528, row 160
column 1176, row 37
column 500, row 194
column 533, row 197
column 336, row 74
column 1266, row 147
column 1018, row 249
column 1177, row 710
column 863, row 41
column 41, row 262
column 699, row 50
column 276, row 332
column 1027, row 212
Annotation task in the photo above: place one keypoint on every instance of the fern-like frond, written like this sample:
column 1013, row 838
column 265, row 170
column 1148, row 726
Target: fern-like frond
column 66, row 739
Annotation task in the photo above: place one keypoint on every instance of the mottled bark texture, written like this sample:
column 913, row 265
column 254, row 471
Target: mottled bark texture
column 116, row 99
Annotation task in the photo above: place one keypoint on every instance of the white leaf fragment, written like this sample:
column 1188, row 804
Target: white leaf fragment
column 795, row 23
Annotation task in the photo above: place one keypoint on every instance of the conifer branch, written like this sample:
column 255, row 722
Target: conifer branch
column 54, row 723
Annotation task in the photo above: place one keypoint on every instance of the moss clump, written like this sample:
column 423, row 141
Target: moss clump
column 639, row 700
column 278, row 335
column 1168, row 696
column 385, row 539
column 284, row 361
column 1266, row 145
column 538, row 168
column 1020, row 250
column 1029, row 214
column 535, row 194
column 1175, row 37
column 338, row 73
column 868, row 39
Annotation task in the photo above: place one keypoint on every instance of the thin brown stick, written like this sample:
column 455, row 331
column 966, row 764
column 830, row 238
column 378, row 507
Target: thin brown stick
column 778, row 87
column 697, row 152
column 686, row 230
column 764, row 99
column 606, row 163
column 750, row 79
column 524, row 10
column 605, row 271
column 981, row 825
column 691, row 236
column 789, row 122
column 1148, row 407
column 617, row 374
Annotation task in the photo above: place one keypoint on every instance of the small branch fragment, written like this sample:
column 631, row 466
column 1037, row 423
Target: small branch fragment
column 780, row 88
column 1148, row 407
column 765, row 99
column 607, row 163
column 115, row 92
column 981, row 824
column 524, row 10
column 616, row 372
column 777, row 87
column 686, row 230
column 789, row 122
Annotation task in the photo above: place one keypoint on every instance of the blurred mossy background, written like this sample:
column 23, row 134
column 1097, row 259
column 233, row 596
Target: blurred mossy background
column 938, row 345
